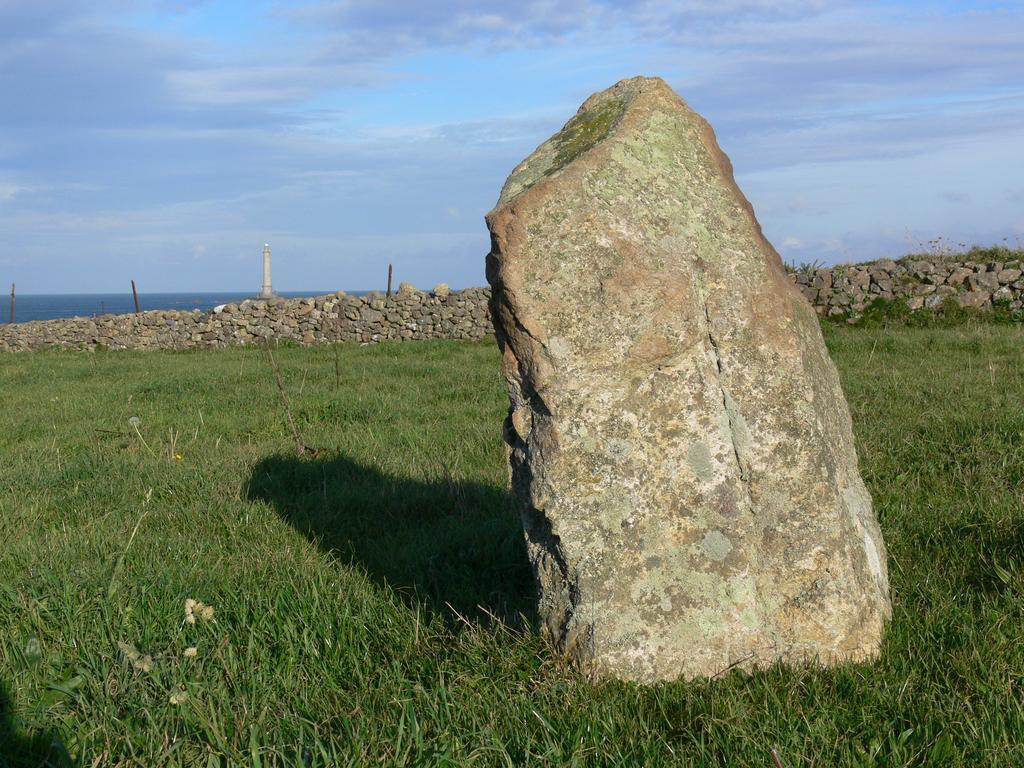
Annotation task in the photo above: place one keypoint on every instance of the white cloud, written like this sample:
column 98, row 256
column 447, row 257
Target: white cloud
column 8, row 191
column 303, row 136
column 229, row 86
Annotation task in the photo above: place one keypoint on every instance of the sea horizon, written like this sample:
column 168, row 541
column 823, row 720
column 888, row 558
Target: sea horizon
column 29, row 307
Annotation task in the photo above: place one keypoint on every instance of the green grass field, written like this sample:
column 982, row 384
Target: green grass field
column 371, row 605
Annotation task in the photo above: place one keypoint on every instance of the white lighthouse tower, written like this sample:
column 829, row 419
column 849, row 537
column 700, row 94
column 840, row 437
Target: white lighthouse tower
column 267, row 292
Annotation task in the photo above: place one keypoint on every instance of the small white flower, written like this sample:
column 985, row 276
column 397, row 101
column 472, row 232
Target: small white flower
column 191, row 652
column 135, row 421
column 197, row 608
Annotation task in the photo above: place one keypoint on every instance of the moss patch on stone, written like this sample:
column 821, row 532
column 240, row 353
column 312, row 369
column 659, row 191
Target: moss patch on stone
column 584, row 132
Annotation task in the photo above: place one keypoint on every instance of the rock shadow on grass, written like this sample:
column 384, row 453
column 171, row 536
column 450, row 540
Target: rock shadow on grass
column 18, row 750
column 447, row 545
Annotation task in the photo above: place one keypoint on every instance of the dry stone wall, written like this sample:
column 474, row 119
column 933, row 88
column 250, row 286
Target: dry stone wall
column 407, row 315
column 843, row 290
column 923, row 284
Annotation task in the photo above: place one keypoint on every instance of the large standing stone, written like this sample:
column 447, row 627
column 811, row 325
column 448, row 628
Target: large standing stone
column 679, row 441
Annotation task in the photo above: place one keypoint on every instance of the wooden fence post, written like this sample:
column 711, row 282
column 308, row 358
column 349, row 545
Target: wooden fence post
column 12, row 303
column 135, row 295
column 389, row 280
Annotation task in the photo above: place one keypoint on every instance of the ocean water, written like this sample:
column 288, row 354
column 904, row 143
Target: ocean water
column 48, row 307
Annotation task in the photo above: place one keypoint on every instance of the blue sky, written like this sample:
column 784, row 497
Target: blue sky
column 167, row 140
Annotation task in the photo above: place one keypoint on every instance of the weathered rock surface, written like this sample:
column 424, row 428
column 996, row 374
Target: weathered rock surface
column 679, row 441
